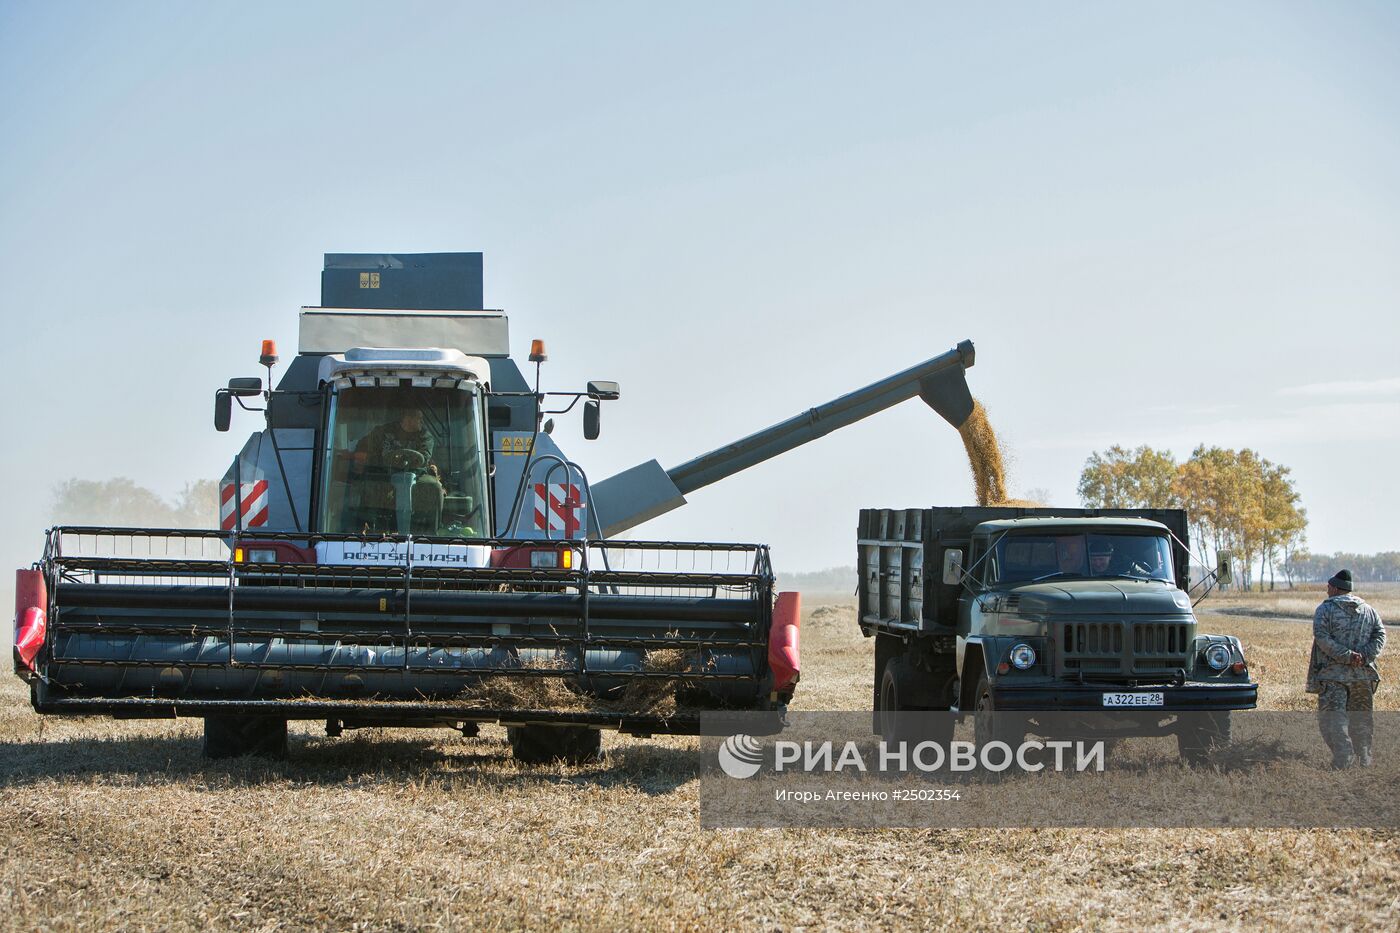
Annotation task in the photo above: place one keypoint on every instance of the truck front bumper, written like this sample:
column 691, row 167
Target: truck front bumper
column 1188, row 697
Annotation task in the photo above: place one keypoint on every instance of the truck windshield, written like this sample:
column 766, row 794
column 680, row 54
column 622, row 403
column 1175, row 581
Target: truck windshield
column 405, row 461
column 1019, row 558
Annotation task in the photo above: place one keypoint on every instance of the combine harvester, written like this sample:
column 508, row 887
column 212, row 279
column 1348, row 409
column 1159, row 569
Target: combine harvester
column 404, row 544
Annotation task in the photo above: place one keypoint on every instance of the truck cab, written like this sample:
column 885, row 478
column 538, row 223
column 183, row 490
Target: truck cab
column 1065, row 613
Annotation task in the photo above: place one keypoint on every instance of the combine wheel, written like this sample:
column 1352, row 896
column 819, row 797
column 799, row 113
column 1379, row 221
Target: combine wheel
column 240, row 736
column 575, row 745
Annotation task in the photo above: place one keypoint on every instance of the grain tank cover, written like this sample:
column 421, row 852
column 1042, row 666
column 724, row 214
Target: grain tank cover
column 410, row 281
column 403, row 300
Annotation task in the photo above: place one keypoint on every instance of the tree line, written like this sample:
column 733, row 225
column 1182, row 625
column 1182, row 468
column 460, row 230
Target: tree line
column 121, row 502
column 1235, row 500
column 1371, row 568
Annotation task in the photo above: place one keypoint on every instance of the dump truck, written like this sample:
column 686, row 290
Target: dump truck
column 403, row 543
column 1017, row 611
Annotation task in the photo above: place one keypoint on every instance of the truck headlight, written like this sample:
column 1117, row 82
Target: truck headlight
column 262, row 555
column 1218, row 656
column 544, row 560
column 1022, row 657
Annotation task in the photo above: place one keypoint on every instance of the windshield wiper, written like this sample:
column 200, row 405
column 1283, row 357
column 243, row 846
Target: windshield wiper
column 1130, row 576
column 1057, row 573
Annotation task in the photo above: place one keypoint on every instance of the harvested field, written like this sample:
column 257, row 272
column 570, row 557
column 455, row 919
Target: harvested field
column 122, row 824
column 1300, row 602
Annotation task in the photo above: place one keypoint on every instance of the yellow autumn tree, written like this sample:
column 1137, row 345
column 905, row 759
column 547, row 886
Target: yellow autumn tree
column 1234, row 499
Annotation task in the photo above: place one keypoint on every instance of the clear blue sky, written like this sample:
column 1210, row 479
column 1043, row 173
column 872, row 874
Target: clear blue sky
column 1161, row 223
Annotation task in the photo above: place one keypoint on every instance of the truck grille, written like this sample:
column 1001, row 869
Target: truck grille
column 1103, row 648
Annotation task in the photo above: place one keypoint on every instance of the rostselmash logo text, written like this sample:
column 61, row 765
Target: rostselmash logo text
column 741, row 756
column 391, row 557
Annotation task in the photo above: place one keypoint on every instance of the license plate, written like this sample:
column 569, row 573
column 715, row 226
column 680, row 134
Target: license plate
column 1134, row 699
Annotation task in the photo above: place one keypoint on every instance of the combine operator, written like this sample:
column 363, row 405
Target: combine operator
column 394, row 458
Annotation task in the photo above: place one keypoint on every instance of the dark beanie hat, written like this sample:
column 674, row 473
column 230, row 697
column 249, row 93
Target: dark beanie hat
column 1341, row 580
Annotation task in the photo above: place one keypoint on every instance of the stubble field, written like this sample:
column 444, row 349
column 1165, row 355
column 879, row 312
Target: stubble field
column 121, row 824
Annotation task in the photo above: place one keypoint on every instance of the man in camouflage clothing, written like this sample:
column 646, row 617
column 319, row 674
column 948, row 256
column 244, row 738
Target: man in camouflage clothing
column 1348, row 636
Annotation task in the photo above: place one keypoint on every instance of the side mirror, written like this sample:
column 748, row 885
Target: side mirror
column 953, row 566
column 603, row 391
column 245, row 386
column 1224, row 568
column 223, row 409
column 549, row 426
column 592, row 412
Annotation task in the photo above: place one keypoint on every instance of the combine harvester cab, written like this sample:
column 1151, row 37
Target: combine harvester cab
column 403, row 544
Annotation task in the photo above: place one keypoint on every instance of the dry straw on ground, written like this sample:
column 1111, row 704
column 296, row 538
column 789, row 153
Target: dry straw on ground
column 120, row 824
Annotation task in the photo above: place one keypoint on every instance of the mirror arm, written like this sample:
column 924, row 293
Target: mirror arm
column 1210, row 580
column 564, row 411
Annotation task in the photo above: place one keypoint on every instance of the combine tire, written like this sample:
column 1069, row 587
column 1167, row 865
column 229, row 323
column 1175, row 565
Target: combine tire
column 537, row 745
column 1202, row 735
column 241, row 736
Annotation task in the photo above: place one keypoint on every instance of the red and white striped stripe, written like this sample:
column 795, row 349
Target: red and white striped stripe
column 557, row 508
column 254, row 505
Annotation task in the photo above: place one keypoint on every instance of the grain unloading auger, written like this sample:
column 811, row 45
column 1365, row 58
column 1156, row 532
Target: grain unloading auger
column 405, row 544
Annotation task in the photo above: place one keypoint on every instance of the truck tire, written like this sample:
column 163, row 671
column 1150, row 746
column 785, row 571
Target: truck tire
column 242, row 736
column 990, row 725
column 1201, row 735
column 896, row 684
column 537, row 745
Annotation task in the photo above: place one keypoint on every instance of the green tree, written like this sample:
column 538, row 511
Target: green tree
column 197, row 505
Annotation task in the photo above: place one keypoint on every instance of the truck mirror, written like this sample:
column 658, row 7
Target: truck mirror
column 605, row 391
column 245, row 386
column 1224, row 568
column 952, row 566
column 591, row 413
column 223, row 409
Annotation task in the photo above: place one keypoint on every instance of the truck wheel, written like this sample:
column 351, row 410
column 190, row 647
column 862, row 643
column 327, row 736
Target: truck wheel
column 537, row 745
column 241, row 736
column 896, row 684
column 1201, row 735
column 990, row 725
